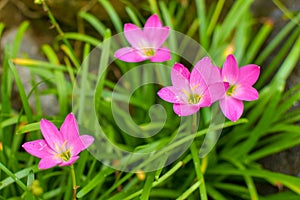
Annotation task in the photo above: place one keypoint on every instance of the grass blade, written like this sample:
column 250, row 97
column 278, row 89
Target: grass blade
column 22, row 93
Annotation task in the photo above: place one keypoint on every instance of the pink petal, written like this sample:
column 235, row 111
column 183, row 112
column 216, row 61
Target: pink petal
column 205, row 100
column 69, row 162
column 181, row 69
column 198, row 83
column 219, row 71
column 180, row 76
column 210, row 73
column 156, row 36
column 81, row 143
column 161, row 55
column 232, row 108
column 155, row 33
column 153, row 21
column 134, row 35
column 230, row 71
column 129, row 54
column 247, row 93
column 69, row 129
column 211, row 78
column 185, row 109
column 38, row 148
column 217, row 91
column 48, row 162
column 249, row 74
column 51, row 134
column 226, row 86
column 172, row 95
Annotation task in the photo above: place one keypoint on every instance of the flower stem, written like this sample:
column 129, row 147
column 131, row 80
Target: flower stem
column 74, row 188
column 199, row 173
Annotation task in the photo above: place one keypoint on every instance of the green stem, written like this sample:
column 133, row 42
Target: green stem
column 197, row 164
column 74, row 188
column 52, row 18
column 57, row 27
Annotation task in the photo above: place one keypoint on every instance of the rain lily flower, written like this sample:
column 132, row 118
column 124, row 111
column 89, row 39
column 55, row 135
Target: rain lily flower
column 191, row 91
column 240, row 88
column 59, row 147
column 145, row 44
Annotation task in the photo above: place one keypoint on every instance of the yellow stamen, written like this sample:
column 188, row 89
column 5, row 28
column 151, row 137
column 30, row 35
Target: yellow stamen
column 194, row 98
column 66, row 155
column 62, row 152
column 148, row 51
column 231, row 90
column 185, row 92
column 195, row 86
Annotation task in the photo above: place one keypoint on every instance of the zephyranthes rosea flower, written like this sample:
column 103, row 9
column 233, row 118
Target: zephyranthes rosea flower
column 240, row 87
column 191, row 91
column 145, row 44
column 59, row 147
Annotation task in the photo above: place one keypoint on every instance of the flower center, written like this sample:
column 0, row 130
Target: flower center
column 148, row 52
column 63, row 152
column 194, row 98
column 231, row 90
column 66, row 155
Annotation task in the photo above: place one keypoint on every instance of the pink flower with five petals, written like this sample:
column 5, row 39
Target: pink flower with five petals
column 59, row 147
column 240, row 88
column 145, row 44
column 191, row 91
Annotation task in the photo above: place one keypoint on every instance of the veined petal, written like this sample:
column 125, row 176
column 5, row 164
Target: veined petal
column 205, row 100
column 129, row 54
column 48, row 162
column 161, row 55
column 180, row 76
column 81, row 143
column 210, row 73
column 198, row 83
column 52, row 136
column 247, row 93
column 249, row 74
column 38, row 148
column 172, row 95
column 134, row 35
column 153, row 21
column 185, row 109
column 69, row 162
column 156, row 36
column 232, row 108
column 211, row 79
column 217, row 91
column 69, row 129
column 181, row 69
column 230, row 70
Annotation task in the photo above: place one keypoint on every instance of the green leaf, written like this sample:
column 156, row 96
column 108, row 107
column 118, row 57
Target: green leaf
column 80, row 37
column 22, row 93
column 98, row 26
column 291, row 182
column 28, row 128
column 95, row 182
column 15, row 177
column 2, row 26
column 18, row 38
column 113, row 15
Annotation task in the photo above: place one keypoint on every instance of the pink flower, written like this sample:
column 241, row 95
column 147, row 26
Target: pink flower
column 240, row 87
column 191, row 91
column 58, row 147
column 146, row 44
